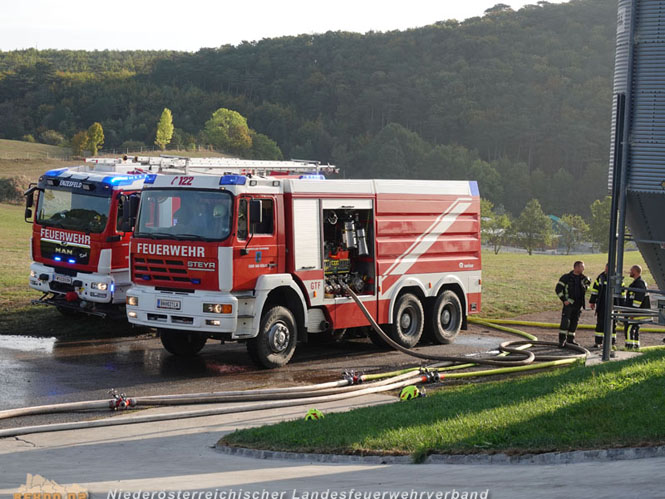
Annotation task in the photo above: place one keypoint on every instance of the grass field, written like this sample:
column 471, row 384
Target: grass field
column 17, row 149
column 577, row 408
column 516, row 284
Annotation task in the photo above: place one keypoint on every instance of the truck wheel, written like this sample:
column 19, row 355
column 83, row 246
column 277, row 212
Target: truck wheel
column 408, row 321
column 276, row 341
column 181, row 343
column 444, row 320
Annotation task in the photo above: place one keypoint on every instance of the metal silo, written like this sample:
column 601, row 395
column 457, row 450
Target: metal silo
column 637, row 155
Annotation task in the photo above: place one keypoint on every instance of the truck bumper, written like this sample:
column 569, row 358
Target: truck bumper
column 183, row 311
column 94, row 288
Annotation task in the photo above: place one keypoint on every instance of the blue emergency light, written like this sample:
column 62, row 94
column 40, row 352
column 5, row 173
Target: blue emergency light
column 233, row 180
column 312, row 176
column 57, row 258
column 150, row 178
column 121, row 179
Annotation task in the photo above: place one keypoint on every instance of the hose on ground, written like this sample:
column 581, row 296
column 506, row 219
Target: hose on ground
column 286, row 393
column 12, row 432
column 525, row 357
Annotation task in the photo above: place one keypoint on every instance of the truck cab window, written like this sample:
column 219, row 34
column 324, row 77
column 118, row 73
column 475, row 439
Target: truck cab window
column 265, row 225
column 242, row 218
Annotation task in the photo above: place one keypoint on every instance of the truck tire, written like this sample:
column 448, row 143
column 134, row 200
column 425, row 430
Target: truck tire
column 274, row 345
column 444, row 319
column 408, row 321
column 377, row 340
column 181, row 343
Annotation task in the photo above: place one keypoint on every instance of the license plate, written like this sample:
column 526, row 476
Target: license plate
column 168, row 304
column 62, row 278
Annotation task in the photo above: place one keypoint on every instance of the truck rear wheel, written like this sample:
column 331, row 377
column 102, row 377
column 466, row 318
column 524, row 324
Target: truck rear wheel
column 444, row 320
column 181, row 343
column 276, row 341
column 408, row 321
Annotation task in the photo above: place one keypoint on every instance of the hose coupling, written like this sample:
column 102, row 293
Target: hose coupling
column 119, row 401
column 352, row 377
column 430, row 376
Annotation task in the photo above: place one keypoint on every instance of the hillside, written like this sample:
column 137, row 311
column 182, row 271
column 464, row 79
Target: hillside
column 519, row 100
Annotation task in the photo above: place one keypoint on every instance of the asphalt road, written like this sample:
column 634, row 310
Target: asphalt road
column 38, row 371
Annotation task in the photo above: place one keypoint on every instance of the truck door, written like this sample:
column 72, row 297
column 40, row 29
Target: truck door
column 256, row 251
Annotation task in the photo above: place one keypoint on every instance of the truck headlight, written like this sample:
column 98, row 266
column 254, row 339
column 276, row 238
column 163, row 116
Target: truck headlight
column 102, row 286
column 217, row 308
column 132, row 301
column 33, row 274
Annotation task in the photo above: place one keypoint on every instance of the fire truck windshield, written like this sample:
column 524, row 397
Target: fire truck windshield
column 73, row 210
column 185, row 214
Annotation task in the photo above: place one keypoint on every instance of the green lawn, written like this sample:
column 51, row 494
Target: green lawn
column 576, row 408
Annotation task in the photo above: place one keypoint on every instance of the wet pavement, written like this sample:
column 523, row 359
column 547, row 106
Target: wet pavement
column 38, row 371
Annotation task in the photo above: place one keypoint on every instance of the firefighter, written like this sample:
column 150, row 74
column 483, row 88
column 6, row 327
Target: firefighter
column 635, row 299
column 597, row 302
column 571, row 289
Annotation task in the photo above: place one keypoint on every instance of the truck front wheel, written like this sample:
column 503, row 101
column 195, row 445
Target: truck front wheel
column 181, row 343
column 276, row 341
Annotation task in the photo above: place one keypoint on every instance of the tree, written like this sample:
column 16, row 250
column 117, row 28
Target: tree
column 228, row 130
column 263, row 147
column 79, row 143
column 600, row 223
column 494, row 227
column 574, row 231
column 164, row 129
column 95, row 138
column 533, row 228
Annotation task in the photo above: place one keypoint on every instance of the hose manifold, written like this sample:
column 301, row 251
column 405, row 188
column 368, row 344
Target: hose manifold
column 352, row 377
column 430, row 376
column 120, row 401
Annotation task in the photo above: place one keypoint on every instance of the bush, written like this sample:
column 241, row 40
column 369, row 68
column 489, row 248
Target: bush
column 28, row 138
column 12, row 189
column 52, row 138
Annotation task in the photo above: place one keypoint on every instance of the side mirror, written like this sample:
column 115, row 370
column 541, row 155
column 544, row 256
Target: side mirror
column 29, row 202
column 128, row 208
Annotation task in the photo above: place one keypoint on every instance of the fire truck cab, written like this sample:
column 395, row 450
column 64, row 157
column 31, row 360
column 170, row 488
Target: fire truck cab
column 80, row 253
column 246, row 254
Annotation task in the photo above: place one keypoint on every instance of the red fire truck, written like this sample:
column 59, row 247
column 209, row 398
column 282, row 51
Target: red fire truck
column 250, row 254
column 80, row 254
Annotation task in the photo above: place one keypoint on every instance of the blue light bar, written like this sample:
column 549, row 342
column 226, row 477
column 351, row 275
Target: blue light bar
column 233, row 180
column 150, row 178
column 121, row 180
column 196, row 281
column 112, row 287
column 313, row 176
column 57, row 258
column 71, row 260
column 55, row 173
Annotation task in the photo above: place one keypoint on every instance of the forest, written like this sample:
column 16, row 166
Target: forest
column 518, row 100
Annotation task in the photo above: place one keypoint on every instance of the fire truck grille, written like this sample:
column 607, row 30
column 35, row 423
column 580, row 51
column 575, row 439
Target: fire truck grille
column 160, row 270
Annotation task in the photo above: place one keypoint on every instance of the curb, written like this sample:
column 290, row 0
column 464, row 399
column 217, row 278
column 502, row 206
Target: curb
column 579, row 456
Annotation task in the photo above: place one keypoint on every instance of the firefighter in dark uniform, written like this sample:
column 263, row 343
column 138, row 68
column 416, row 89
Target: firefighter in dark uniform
column 571, row 289
column 597, row 302
column 636, row 299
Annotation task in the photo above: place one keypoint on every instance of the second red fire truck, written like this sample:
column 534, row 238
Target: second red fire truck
column 258, row 252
